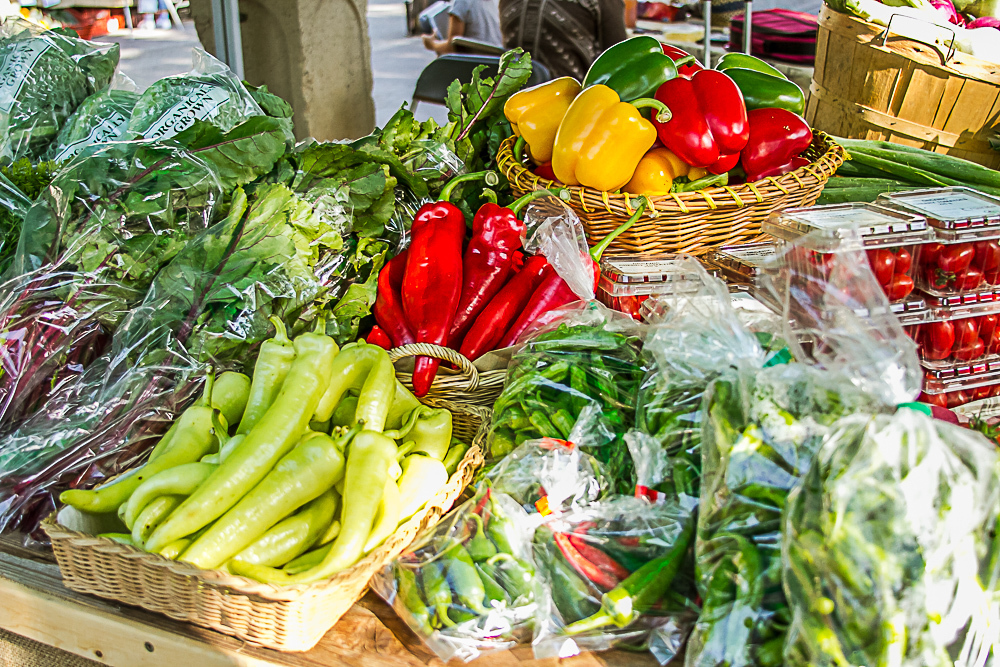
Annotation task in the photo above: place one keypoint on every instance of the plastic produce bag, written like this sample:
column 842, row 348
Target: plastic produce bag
column 46, row 75
column 697, row 338
column 556, row 470
column 615, row 573
column 209, row 92
column 574, row 379
column 553, row 230
column 890, row 547
column 466, row 586
column 101, row 118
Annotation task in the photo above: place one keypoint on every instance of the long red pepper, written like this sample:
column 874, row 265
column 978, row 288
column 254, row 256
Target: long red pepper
column 388, row 308
column 432, row 282
column 380, row 338
column 488, row 261
column 553, row 292
column 609, row 565
column 505, row 307
column 587, row 569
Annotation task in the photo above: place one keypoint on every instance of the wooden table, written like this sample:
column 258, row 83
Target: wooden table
column 36, row 605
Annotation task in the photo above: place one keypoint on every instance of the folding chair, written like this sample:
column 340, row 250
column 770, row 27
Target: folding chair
column 432, row 84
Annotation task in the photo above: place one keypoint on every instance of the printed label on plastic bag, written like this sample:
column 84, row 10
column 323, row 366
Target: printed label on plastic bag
column 198, row 105
column 16, row 68
column 107, row 130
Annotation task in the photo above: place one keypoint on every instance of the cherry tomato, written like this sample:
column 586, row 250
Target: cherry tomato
column 904, row 260
column 993, row 344
column 987, row 256
column 966, row 332
column 969, row 279
column 938, row 279
column 992, row 277
column 957, row 398
column 987, row 325
column 955, row 257
column 996, row 390
column 934, row 399
column 970, row 352
column 899, row 287
column 822, row 260
column 883, row 262
column 929, row 253
column 937, row 339
column 979, row 393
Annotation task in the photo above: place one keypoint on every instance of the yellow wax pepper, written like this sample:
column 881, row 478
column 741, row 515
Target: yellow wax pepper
column 535, row 114
column 657, row 170
column 601, row 139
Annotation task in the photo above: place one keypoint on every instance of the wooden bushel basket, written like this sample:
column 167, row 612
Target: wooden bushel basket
column 904, row 91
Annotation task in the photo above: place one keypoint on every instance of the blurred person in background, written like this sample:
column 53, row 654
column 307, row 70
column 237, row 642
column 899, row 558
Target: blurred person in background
column 472, row 19
column 564, row 35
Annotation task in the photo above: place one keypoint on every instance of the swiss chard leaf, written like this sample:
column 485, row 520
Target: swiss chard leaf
column 243, row 154
column 481, row 98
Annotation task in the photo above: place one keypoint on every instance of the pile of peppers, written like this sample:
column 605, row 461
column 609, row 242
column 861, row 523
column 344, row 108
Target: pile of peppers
column 289, row 477
column 737, row 123
column 473, row 301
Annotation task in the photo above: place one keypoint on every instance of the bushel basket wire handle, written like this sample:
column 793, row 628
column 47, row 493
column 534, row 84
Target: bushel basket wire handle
column 467, row 369
column 951, row 47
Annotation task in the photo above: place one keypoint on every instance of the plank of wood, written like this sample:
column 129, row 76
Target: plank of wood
column 37, row 606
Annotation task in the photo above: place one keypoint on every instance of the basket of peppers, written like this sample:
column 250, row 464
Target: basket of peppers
column 715, row 150
column 437, row 302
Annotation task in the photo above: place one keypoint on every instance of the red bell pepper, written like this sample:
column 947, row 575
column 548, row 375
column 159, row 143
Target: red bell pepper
column 686, row 71
column 501, row 312
column 432, row 282
column 388, row 309
column 709, row 120
column 782, row 169
column 544, row 170
column 776, row 136
column 488, row 261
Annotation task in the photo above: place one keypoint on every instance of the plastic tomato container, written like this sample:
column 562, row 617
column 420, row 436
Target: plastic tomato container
column 741, row 265
column 952, row 388
column 891, row 239
column 957, row 341
column 627, row 281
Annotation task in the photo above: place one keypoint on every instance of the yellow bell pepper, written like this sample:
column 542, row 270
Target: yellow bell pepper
column 657, row 170
column 601, row 139
column 535, row 114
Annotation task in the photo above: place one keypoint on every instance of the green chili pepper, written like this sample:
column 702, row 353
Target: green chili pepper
column 455, row 456
column 151, row 517
column 291, row 537
column 570, row 593
column 403, row 403
column 367, row 370
column 346, row 409
column 515, row 418
column 181, row 480
column 314, row 465
column 368, row 461
column 479, row 546
column 499, row 530
column 461, row 572
column 193, row 439
column 230, row 396
column 273, row 437
column 501, row 444
column 273, row 364
column 494, row 591
column 563, row 421
column 640, row 591
column 436, row 591
column 408, row 593
column 542, row 423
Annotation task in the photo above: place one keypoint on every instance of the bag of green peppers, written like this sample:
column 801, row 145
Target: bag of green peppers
column 890, row 547
column 556, row 470
column 618, row 573
column 694, row 338
column 762, row 428
column 466, row 585
column 575, row 379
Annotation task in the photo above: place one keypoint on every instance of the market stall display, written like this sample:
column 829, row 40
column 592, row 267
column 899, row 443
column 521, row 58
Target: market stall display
column 209, row 408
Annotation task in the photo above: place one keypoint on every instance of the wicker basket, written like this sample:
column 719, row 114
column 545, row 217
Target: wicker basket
column 870, row 83
column 689, row 222
column 286, row 618
column 467, row 386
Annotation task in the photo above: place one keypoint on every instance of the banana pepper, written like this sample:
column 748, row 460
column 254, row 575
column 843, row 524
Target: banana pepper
column 601, row 139
column 535, row 114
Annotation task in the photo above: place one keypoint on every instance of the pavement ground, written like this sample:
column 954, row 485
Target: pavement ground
column 397, row 59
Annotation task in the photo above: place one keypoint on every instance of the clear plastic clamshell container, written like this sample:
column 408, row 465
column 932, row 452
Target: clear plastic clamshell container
column 892, row 239
column 627, row 281
column 959, row 343
column 954, row 387
column 956, row 214
column 740, row 265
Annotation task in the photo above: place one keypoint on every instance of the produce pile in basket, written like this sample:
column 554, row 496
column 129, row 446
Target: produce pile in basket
column 737, row 123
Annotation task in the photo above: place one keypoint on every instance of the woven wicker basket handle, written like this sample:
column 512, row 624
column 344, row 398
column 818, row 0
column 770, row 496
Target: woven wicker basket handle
column 469, row 372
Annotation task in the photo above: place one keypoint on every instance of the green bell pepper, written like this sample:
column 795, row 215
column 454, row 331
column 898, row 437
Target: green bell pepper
column 634, row 68
column 762, row 85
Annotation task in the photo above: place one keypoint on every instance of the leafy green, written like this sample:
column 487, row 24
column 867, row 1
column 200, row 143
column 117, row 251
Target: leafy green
column 273, row 106
column 101, row 118
column 241, row 155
